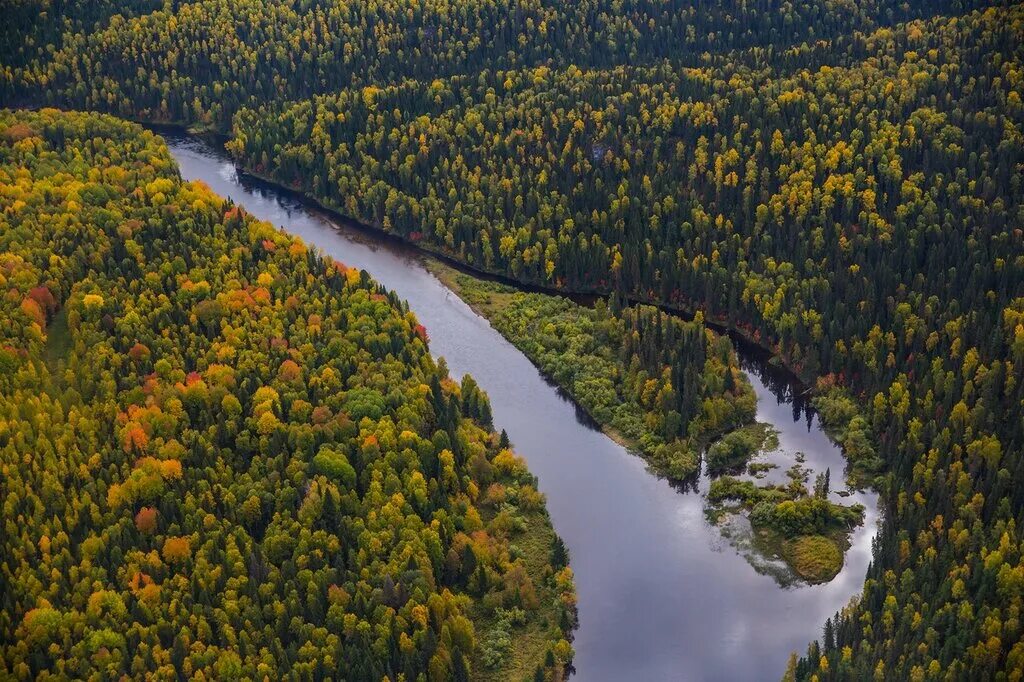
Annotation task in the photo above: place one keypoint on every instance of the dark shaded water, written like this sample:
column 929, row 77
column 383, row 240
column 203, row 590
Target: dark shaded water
column 662, row 596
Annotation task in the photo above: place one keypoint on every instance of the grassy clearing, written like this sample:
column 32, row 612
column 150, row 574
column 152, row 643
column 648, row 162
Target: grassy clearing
column 815, row 558
column 532, row 640
column 58, row 339
column 486, row 297
column 810, row 559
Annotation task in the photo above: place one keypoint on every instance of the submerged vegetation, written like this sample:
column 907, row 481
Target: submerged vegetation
column 225, row 456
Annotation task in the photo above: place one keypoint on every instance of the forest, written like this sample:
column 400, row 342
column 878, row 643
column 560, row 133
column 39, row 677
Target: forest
column 226, row 456
column 839, row 182
column 199, row 62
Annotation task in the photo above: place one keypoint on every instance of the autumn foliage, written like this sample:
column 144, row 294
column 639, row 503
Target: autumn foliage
column 145, row 519
column 193, row 487
column 176, row 550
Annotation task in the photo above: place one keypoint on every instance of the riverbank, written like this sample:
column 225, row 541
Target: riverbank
column 579, row 349
column 664, row 388
column 490, row 301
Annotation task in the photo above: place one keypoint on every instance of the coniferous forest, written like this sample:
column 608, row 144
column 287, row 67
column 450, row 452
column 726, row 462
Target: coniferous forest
column 225, row 455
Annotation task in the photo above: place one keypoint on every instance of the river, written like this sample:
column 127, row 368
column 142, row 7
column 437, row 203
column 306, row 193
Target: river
column 662, row 596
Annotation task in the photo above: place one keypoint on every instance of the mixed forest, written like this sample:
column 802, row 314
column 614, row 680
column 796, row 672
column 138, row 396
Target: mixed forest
column 225, row 456
column 841, row 182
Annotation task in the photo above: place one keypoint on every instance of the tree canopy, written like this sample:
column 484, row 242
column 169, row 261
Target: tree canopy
column 227, row 456
column 839, row 181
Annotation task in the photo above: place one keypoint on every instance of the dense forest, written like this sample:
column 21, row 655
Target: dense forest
column 839, row 181
column 226, row 456
column 199, row 62
column 852, row 209
column 35, row 28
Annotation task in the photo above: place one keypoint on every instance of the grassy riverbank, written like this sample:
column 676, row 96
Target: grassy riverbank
column 513, row 647
column 663, row 387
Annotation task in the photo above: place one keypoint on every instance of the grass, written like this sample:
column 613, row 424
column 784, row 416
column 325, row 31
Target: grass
column 58, row 339
column 815, row 558
column 811, row 559
column 487, row 298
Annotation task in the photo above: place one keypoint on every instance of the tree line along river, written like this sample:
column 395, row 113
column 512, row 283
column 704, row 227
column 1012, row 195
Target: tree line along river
column 662, row 595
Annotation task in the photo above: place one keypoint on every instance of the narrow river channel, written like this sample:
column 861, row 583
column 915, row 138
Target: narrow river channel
column 662, row 596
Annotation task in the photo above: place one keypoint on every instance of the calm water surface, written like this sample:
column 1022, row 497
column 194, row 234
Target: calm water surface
column 662, row 596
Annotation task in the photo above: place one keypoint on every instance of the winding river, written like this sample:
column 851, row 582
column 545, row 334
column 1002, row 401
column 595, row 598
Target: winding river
column 662, row 596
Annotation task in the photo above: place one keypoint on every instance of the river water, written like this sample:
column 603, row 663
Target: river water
column 662, row 596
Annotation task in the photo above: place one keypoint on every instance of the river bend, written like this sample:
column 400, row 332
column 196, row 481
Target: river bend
column 662, row 596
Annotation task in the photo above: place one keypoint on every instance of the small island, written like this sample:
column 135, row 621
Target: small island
column 804, row 529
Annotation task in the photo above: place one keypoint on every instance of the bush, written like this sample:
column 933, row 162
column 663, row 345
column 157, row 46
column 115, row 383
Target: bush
column 679, row 462
column 805, row 516
column 732, row 452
